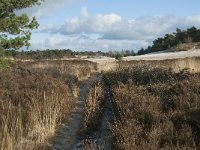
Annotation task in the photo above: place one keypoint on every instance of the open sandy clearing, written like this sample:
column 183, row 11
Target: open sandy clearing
column 169, row 55
column 152, row 56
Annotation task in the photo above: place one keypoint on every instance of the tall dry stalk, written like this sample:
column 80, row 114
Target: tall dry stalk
column 93, row 107
column 32, row 105
column 43, row 118
column 10, row 126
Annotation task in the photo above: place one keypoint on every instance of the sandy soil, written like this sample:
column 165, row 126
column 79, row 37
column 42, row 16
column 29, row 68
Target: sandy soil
column 66, row 136
column 152, row 56
column 169, row 55
column 102, row 60
column 102, row 138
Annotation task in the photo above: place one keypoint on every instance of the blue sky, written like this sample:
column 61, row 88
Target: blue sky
column 109, row 25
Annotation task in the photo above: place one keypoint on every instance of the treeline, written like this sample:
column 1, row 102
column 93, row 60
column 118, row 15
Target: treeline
column 169, row 40
column 49, row 54
column 61, row 53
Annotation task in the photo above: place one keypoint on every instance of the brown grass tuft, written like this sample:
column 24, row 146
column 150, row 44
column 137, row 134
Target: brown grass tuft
column 32, row 105
column 93, row 108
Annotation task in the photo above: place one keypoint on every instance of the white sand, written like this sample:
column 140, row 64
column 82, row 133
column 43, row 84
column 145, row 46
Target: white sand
column 162, row 56
column 152, row 56
column 101, row 60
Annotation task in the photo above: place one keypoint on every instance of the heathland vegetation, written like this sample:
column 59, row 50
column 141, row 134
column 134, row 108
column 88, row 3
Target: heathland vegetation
column 155, row 108
column 35, row 98
column 134, row 107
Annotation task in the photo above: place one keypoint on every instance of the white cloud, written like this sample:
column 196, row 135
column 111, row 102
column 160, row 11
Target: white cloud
column 112, row 32
column 36, row 45
column 46, row 8
column 89, row 24
column 114, row 27
column 105, row 45
column 54, row 41
column 72, row 41
column 143, row 28
column 195, row 20
column 84, row 12
column 51, row 28
column 87, row 42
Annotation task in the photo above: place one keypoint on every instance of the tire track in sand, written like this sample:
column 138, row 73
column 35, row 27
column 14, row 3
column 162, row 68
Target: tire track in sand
column 66, row 136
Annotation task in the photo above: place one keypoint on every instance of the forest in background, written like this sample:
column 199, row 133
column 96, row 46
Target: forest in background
column 170, row 40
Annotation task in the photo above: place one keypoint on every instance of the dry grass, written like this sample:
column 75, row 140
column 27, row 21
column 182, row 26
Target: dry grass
column 93, row 108
column 11, row 127
column 32, row 105
column 81, row 69
column 184, row 47
column 155, row 108
column 192, row 64
column 92, row 116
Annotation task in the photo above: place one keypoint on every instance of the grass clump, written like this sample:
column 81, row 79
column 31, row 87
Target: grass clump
column 93, row 108
column 32, row 105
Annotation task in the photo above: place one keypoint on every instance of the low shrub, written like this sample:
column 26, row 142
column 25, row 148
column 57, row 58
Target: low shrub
column 155, row 108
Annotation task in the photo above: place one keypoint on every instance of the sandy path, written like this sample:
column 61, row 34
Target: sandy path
column 66, row 136
column 102, row 138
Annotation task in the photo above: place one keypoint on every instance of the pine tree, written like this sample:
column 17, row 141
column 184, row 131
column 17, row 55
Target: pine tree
column 15, row 30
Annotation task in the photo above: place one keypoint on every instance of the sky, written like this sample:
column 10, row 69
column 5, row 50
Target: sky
column 104, row 25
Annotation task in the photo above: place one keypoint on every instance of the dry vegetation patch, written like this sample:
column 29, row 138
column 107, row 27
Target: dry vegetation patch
column 33, row 102
column 155, row 108
column 93, row 108
column 81, row 69
column 184, row 47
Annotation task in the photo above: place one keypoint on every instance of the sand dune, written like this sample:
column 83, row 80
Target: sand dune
column 169, row 55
